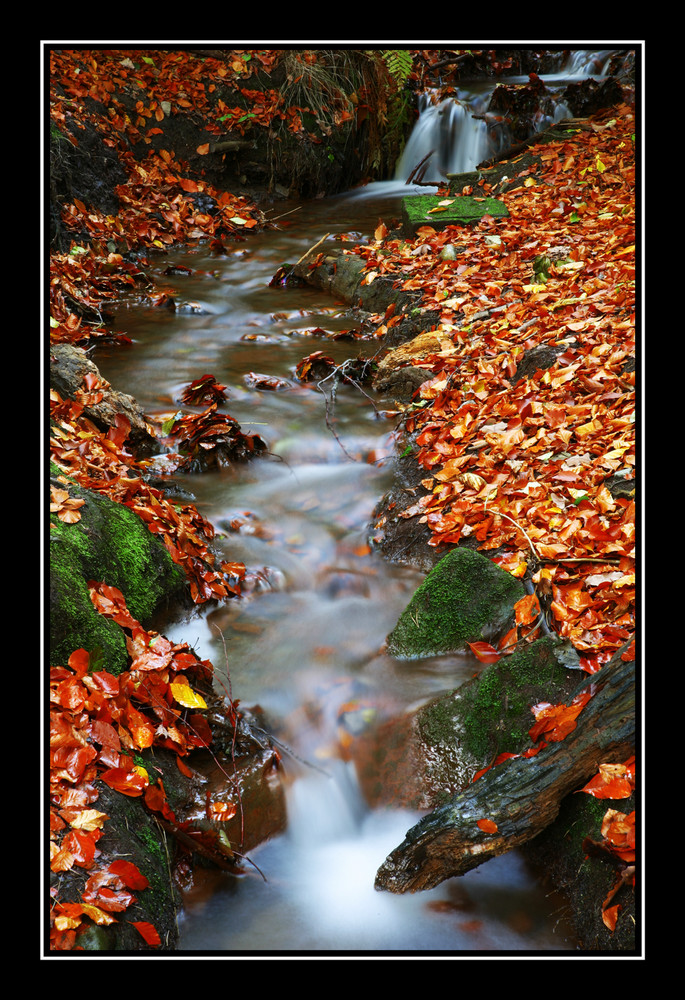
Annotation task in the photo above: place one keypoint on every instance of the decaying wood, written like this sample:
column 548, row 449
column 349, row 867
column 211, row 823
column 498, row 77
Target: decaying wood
column 521, row 796
column 232, row 145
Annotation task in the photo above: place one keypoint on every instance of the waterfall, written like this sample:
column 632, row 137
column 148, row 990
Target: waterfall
column 457, row 133
column 458, row 140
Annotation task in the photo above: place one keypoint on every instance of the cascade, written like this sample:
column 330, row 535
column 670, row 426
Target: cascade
column 457, row 134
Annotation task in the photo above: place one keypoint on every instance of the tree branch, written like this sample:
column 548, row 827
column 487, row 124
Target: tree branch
column 521, row 796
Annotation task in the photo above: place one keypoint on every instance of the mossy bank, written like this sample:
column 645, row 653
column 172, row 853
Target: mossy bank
column 108, row 544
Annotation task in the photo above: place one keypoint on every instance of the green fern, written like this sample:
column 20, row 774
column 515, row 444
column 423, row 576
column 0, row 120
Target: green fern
column 399, row 64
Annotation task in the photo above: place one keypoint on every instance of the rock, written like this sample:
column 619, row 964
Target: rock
column 520, row 796
column 69, row 367
column 461, row 210
column 113, row 545
column 465, row 598
column 418, row 758
column 422, row 346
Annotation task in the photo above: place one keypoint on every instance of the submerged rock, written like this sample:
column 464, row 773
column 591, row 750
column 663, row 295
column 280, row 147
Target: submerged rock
column 465, row 598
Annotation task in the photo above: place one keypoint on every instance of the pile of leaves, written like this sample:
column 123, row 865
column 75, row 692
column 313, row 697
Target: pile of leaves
column 211, row 440
column 525, row 424
column 162, row 201
column 534, row 459
column 99, row 723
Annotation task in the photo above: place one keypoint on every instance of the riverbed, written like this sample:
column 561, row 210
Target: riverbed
column 305, row 643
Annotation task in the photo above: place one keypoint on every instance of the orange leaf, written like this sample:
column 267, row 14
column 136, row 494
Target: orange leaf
column 487, row 825
column 527, row 609
column 610, row 916
column 203, row 150
column 557, row 721
column 129, row 874
column 183, row 768
column 613, row 781
column 221, row 812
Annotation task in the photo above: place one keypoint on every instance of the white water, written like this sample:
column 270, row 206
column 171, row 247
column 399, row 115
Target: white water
column 319, row 898
column 459, row 140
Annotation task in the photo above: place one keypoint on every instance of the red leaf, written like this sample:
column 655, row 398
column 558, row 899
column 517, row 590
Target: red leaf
column 129, row 874
column 148, row 932
column 124, row 781
column 484, row 652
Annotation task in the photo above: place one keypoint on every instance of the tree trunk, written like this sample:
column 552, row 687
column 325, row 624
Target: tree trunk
column 521, row 796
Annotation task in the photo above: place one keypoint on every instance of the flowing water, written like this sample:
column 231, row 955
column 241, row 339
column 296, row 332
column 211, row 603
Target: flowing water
column 460, row 133
column 310, row 631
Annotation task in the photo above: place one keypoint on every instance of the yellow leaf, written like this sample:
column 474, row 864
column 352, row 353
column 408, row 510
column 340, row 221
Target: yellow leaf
column 97, row 915
column 185, row 696
column 88, row 819
column 474, row 481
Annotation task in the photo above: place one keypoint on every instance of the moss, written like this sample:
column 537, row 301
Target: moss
column 492, row 713
column 464, row 210
column 465, row 598
column 151, row 843
column 109, row 544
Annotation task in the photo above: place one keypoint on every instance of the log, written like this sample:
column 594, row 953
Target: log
column 521, row 796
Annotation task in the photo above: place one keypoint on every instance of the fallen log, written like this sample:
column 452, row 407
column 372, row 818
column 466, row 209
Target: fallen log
column 520, row 796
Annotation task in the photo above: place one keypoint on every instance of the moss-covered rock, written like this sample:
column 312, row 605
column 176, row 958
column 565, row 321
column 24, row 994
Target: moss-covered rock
column 109, row 544
column 461, row 210
column 465, row 598
column 421, row 759
column 492, row 713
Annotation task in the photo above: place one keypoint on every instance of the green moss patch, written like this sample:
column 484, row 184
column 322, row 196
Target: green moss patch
column 492, row 714
column 109, row 544
column 465, row 598
column 439, row 212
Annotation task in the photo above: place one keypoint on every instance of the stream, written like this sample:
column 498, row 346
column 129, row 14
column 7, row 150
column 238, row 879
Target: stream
column 306, row 640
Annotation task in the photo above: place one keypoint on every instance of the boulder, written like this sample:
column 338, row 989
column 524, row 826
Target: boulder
column 465, row 598
column 108, row 544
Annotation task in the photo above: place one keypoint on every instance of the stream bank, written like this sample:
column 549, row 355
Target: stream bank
column 411, row 327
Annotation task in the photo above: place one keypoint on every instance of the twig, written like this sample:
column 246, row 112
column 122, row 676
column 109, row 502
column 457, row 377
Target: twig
column 307, row 253
column 418, row 167
column 614, row 560
column 235, row 734
column 498, row 513
column 290, row 751
column 283, row 215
